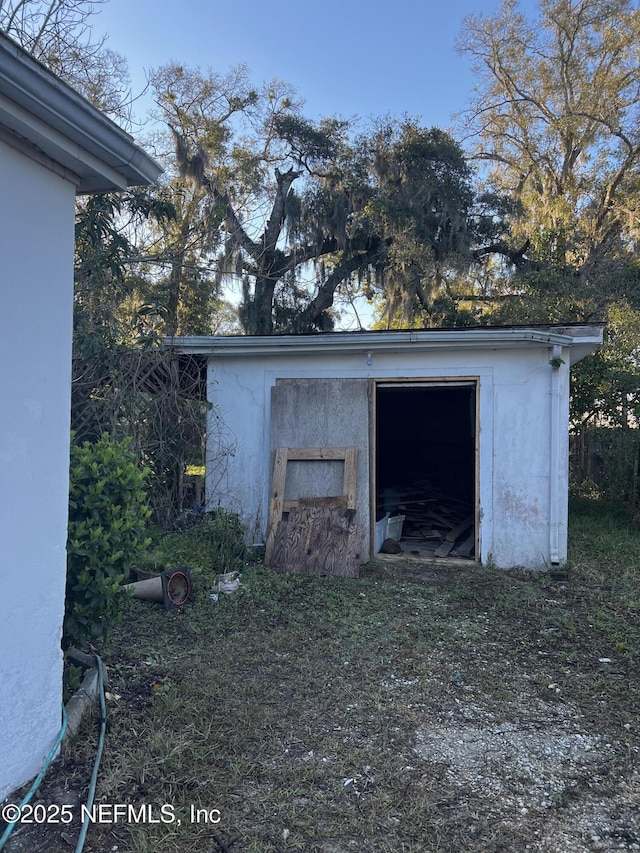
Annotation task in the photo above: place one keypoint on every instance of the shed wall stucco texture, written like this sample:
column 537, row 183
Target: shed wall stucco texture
column 518, row 424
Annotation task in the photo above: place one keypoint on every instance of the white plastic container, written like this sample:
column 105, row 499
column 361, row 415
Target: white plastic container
column 381, row 532
column 394, row 528
column 388, row 528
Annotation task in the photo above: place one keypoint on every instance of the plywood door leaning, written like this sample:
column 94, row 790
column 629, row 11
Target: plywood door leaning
column 319, row 536
column 318, row 541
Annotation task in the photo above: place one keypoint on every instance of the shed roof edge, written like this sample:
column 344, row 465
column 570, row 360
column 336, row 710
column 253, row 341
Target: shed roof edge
column 343, row 342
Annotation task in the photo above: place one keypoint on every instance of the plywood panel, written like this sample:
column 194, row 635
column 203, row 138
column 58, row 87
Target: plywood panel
column 318, row 541
column 329, row 413
column 345, row 490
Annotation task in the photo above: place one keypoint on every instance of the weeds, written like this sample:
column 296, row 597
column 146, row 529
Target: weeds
column 294, row 705
column 209, row 542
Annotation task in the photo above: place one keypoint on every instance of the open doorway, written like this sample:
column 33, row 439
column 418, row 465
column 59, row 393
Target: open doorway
column 425, row 467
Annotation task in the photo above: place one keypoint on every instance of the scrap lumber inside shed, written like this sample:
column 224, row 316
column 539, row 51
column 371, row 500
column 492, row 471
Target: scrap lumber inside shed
column 434, row 525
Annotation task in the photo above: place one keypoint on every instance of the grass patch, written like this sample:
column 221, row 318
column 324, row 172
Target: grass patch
column 299, row 707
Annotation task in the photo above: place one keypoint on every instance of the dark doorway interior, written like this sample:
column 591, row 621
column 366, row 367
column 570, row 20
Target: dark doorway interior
column 425, row 465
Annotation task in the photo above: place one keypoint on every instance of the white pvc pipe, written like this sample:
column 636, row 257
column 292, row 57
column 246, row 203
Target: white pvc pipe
column 554, row 458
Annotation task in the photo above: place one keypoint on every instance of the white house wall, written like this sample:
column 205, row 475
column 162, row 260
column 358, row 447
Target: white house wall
column 36, row 272
column 515, row 390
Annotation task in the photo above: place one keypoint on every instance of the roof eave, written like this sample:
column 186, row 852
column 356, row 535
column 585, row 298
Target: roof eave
column 342, row 343
column 45, row 113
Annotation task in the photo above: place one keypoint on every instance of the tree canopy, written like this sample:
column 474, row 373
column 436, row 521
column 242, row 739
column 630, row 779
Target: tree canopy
column 266, row 221
column 59, row 34
column 555, row 123
column 306, row 208
column 556, row 119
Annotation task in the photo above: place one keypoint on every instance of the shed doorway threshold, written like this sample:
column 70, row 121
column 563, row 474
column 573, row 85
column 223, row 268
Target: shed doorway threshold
column 417, row 561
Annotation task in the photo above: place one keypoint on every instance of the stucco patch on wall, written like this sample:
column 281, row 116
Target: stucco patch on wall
column 518, row 506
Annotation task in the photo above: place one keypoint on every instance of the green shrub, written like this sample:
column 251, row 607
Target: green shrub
column 108, row 514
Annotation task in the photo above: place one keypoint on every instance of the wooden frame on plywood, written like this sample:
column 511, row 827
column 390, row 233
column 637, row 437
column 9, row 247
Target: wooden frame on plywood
column 277, row 503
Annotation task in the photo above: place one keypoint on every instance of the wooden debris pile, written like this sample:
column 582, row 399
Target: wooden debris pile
column 435, row 525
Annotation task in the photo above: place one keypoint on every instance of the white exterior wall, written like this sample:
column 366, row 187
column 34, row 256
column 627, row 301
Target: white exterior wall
column 36, row 276
column 529, row 462
column 521, row 475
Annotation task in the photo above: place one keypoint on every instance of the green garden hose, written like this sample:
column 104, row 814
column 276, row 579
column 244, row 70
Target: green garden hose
column 38, row 779
column 51, row 756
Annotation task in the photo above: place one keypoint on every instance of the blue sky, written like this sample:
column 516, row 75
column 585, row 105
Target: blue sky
column 344, row 57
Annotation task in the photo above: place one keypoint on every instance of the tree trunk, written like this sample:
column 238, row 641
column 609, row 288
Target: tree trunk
column 258, row 313
column 175, row 281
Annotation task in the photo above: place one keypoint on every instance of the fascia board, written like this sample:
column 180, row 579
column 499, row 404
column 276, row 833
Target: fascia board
column 345, row 343
column 46, row 113
column 584, row 340
column 582, row 346
column 92, row 174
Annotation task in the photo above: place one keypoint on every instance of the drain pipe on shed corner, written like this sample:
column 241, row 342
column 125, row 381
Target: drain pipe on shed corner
column 96, row 763
column 555, row 361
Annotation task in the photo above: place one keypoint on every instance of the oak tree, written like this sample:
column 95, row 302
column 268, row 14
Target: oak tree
column 306, row 209
column 556, row 119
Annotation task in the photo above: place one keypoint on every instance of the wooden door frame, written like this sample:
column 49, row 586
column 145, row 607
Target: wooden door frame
column 284, row 455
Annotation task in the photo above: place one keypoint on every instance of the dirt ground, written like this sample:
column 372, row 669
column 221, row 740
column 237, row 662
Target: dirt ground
column 418, row 708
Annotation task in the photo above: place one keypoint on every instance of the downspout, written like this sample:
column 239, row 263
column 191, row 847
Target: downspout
column 554, row 457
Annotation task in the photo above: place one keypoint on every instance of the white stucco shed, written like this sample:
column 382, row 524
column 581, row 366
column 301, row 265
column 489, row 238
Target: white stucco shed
column 479, row 415
column 53, row 145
